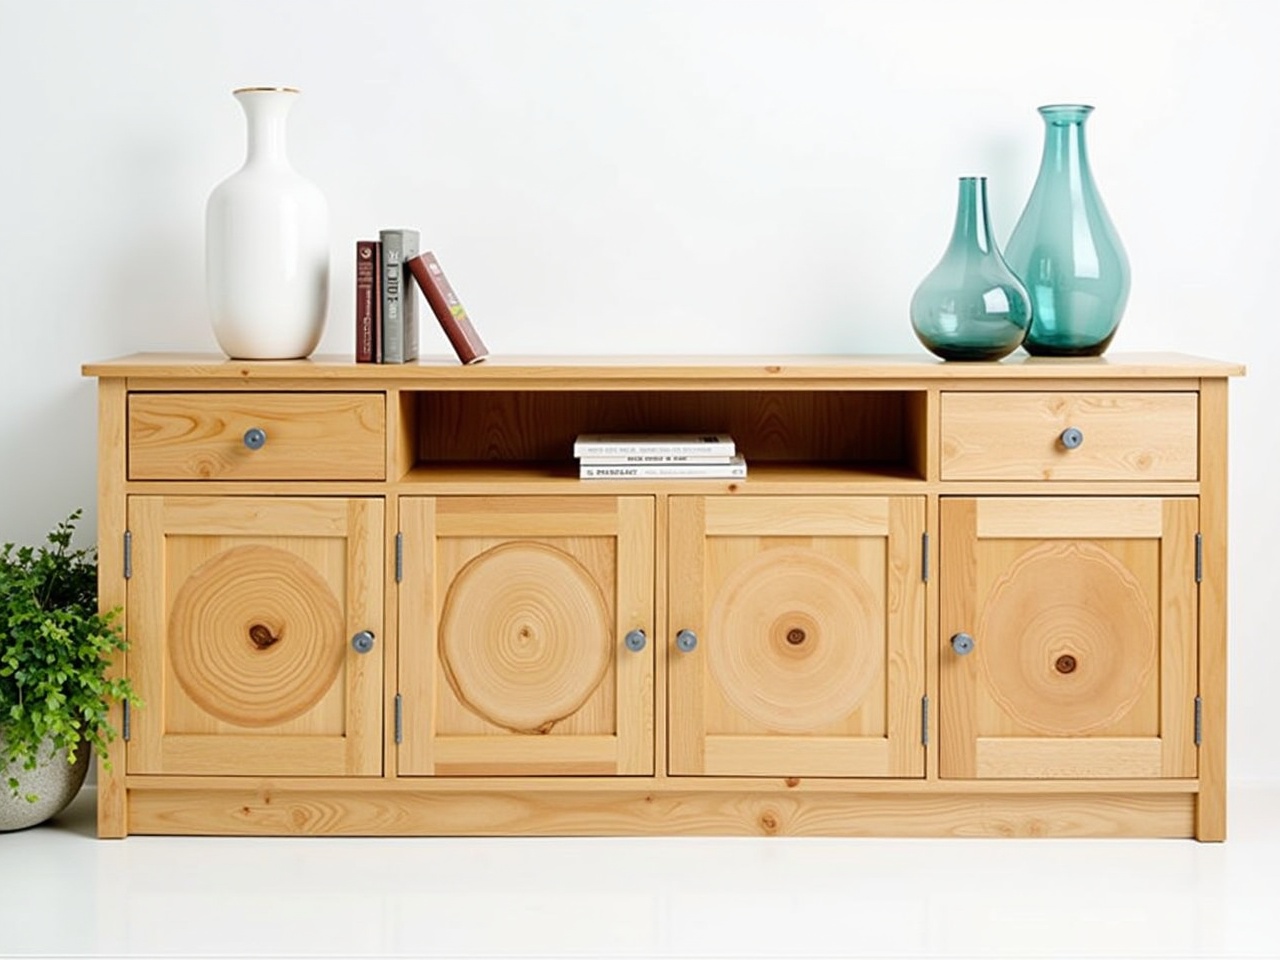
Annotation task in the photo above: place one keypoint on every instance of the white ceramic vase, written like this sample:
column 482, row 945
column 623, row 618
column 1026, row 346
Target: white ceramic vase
column 267, row 243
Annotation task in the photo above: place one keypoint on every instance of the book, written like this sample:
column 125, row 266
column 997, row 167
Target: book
column 604, row 445
column 652, row 458
column 368, row 301
column 399, row 311
column 736, row 468
column 449, row 311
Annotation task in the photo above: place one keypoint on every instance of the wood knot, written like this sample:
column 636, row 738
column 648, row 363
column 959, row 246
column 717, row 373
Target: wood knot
column 1065, row 663
column 795, row 636
column 792, row 781
column 769, row 822
column 261, row 636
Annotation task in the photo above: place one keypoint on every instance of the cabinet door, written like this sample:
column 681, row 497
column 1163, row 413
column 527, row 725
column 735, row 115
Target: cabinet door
column 807, row 621
column 241, row 616
column 1082, row 614
column 514, row 621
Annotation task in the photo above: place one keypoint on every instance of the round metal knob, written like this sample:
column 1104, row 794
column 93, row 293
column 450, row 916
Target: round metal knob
column 1071, row 438
column 686, row 640
column 962, row 643
column 255, row 438
column 362, row 642
column 635, row 641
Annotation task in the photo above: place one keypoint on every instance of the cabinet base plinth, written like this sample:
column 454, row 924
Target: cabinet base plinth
column 298, row 812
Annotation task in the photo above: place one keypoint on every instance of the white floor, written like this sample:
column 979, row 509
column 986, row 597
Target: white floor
column 62, row 892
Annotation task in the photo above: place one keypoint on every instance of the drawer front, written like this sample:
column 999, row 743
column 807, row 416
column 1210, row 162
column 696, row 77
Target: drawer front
column 1069, row 436
column 257, row 436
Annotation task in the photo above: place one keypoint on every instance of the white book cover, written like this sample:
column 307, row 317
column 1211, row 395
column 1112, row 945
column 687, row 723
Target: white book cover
column 618, row 458
column 736, row 468
column 665, row 444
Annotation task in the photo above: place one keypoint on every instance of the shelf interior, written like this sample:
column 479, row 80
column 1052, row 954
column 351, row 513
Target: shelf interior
column 880, row 432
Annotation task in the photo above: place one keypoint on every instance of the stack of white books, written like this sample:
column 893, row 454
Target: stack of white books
column 649, row 456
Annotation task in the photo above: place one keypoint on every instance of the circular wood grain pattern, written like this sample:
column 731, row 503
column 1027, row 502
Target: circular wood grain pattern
column 525, row 636
column 256, row 636
column 1067, row 641
column 796, row 639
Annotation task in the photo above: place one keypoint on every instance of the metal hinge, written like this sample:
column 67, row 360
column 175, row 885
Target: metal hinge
column 924, row 721
column 1199, row 720
column 399, row 557
column 924, row 557
column 128, row 554
column 1199, row 557
column 126, row 722
column 399, row 719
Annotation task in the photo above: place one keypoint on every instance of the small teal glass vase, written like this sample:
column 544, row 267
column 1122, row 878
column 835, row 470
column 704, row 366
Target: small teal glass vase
column 1065, row 248
column 971, row 306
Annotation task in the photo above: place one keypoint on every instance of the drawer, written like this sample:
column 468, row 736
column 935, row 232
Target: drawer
column 1028, row 436
column 304, row 436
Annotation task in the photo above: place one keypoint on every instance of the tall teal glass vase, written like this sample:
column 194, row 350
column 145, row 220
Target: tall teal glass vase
column 971, row 306
column 1065, row 248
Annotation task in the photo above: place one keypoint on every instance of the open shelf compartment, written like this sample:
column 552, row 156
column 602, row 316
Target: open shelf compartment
column 867, row 432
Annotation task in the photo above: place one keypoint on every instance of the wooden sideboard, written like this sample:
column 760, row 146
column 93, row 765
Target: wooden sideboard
column 948, row 599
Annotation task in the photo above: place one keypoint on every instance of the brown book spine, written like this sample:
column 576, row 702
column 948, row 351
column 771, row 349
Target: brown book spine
column 448, row 310
column 368, row 301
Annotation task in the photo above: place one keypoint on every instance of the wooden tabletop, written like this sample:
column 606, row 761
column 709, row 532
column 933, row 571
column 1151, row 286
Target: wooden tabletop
column 658, row 369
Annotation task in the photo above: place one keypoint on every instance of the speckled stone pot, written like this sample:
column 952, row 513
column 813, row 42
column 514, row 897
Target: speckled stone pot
column 54, row 781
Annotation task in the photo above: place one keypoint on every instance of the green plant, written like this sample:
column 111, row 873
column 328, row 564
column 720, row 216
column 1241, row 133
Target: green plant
column 55, row 648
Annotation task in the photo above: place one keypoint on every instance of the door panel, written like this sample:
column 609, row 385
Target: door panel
column 808, row 614
column 1082, row 615
column 241, row 615
column 514, row 614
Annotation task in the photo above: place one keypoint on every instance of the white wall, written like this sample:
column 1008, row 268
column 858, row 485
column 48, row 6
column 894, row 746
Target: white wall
column 664, row 177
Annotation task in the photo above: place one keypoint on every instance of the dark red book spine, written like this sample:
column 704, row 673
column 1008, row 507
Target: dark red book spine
column 368, row 301
column 444, row 304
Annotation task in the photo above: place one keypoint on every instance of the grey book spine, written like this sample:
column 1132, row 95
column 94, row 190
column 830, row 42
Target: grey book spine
column 399, row 305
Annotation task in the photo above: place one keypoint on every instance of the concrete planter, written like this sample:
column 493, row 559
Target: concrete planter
column 54, row 781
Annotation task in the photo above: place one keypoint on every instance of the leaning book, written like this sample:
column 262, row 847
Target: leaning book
column 668, row 446
column 735, row 468
column 444, row 303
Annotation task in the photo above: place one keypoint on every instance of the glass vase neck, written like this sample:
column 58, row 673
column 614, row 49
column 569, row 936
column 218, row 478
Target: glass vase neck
column 1065, row 113
column 973, row 225
column 1064, row 142
column 266, row 111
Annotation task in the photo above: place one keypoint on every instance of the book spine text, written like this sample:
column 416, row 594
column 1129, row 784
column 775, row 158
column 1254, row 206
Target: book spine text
column 399, row 311
column 368, row 301
column 617, row 452
column 689, row 471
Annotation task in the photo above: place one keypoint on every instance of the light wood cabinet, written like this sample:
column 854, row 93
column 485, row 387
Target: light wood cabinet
column 948, row 599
